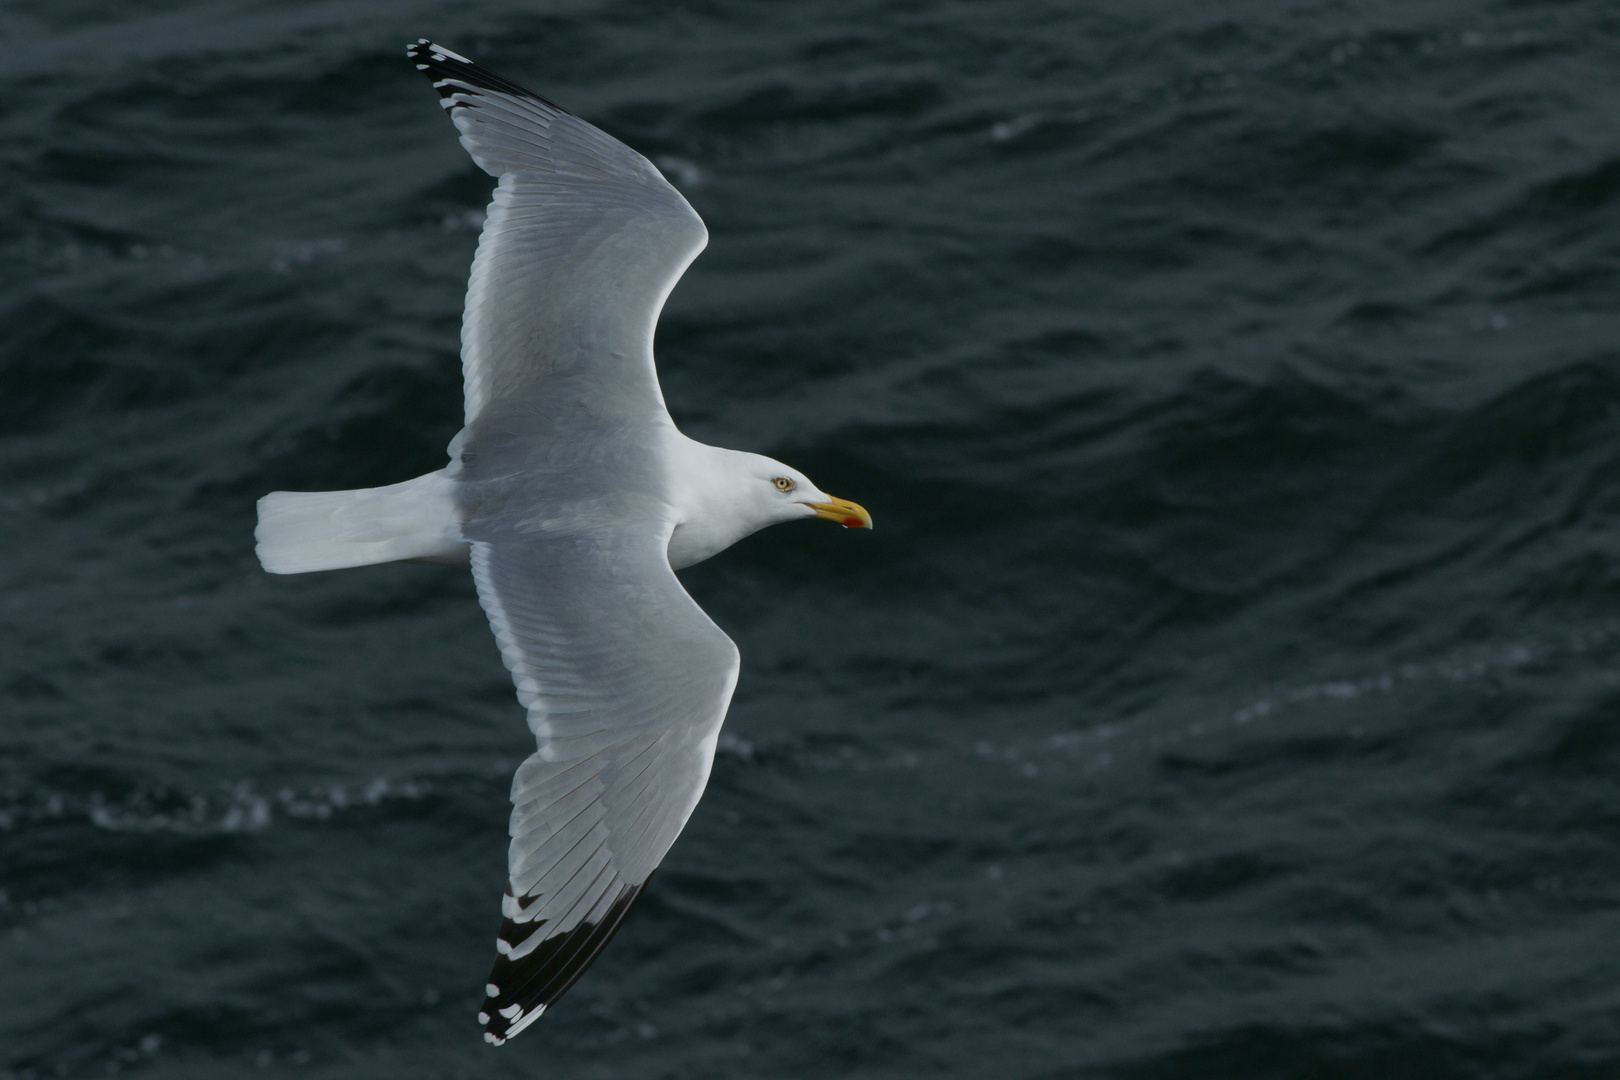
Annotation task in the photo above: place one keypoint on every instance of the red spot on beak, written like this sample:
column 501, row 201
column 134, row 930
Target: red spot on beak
column 853, row 523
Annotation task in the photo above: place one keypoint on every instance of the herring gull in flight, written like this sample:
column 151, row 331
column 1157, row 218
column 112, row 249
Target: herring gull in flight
column 574, row 499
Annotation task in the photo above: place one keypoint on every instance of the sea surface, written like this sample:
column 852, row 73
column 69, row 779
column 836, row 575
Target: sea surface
column 1230, row 689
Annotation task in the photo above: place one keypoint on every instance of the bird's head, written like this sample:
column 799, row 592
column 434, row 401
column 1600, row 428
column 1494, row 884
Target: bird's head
column 722, row 496
column 783, row 493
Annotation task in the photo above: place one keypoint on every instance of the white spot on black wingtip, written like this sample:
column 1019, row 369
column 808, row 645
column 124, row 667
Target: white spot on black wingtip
column 470, row 79
column 483, row 1018
column 502, row 947
column 525, row 1021
column 491, row 990
column 548, row 968
column 492, row 1040
column 438, row 52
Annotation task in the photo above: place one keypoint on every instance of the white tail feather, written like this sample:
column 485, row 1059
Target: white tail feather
column 300, row 531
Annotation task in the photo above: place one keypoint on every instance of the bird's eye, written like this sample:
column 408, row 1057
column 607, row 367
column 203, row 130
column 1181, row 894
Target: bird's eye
column 783, row 484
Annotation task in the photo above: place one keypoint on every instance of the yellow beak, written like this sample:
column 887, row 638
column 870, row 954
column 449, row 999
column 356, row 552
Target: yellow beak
column 849, row 515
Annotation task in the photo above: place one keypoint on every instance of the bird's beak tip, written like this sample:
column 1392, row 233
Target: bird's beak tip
column 849, row 515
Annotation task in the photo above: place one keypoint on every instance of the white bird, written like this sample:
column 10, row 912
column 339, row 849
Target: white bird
column 575, row 499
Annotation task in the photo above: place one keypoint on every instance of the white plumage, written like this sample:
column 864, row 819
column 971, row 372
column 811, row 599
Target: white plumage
column 574, row 498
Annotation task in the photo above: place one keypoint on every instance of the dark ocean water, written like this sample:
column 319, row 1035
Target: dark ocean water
column 1231, row 687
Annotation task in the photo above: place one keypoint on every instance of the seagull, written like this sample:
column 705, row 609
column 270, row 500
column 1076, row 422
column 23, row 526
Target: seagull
column 574, row 499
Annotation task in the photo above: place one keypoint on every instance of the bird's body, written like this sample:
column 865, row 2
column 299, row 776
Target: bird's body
column 574, row 498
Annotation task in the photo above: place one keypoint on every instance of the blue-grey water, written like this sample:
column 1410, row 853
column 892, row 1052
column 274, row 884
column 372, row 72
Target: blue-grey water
column 1229, row 691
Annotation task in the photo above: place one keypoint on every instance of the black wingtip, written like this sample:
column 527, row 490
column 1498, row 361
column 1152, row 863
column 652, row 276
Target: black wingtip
column 452, row 73
column 520, row 990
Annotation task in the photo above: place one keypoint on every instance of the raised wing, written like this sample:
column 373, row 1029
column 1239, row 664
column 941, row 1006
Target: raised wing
column 626, row 681
column 583, row 242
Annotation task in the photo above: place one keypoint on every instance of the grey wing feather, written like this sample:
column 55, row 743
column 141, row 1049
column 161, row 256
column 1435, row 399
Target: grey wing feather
column 626, row 682
column 582, row 244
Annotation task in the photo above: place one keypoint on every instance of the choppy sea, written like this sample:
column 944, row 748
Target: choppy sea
column 1229, row 691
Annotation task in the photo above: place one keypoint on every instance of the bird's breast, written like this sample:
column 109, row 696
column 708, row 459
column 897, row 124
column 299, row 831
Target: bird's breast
column 693, row 541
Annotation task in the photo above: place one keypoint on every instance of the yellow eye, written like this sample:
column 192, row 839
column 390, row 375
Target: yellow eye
column 783, row 484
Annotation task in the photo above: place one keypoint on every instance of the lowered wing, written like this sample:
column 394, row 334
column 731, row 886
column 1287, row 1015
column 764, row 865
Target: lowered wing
column 626, row 682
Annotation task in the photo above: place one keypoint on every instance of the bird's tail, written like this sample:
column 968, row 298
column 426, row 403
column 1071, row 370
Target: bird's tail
column 301, row 531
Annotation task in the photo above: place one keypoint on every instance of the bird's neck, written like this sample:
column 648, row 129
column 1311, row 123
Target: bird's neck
column 710, row 488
